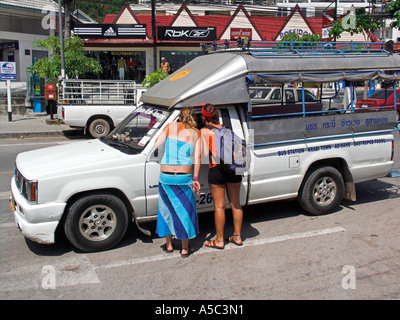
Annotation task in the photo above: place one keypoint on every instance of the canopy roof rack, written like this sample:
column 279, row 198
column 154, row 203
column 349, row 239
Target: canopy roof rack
column 273, row 48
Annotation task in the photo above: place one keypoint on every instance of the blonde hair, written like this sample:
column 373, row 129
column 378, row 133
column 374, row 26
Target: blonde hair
column 187, row 118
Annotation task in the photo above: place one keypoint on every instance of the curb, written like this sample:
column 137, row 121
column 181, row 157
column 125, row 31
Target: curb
column 21, row 135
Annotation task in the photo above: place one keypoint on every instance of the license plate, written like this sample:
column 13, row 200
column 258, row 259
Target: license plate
column 12, row 203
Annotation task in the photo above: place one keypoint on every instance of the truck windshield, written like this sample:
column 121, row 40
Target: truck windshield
column 137, row 129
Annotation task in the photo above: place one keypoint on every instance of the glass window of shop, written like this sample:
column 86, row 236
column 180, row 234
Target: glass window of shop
column 120, row 65
column 179, row 58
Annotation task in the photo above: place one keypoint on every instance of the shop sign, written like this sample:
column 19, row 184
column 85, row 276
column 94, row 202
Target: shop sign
column 298, row 31
column 240, row 32
column 110, row 31
column 9, row 45
column 187, row 33
column 8, row 70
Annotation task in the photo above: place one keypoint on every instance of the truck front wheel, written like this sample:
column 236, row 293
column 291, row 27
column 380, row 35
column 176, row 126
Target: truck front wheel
column 96, row 222
column 321, row 191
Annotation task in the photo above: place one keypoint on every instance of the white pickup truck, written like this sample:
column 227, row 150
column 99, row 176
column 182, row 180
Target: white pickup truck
column 97, row 106
column 92, row 189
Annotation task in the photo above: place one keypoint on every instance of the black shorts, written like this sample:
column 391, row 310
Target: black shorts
column 219, row 176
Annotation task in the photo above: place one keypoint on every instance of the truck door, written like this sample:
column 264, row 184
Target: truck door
column 204, row 202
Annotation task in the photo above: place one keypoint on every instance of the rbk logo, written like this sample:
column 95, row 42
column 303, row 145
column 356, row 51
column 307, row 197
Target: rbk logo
column 199, row 33
column 187, row 33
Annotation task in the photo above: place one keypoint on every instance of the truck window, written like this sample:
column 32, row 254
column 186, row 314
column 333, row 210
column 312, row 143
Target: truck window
column 276, row 95
column 225, row 119
column 137, row 129
column 289, row 95
column 308, row 96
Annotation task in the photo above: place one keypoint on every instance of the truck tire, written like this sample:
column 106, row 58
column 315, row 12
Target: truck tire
column 96, row 222
column 99, row 128
column 321, row 191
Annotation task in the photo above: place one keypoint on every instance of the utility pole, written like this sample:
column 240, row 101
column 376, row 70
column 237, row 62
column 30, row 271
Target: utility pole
column 154, row 32
column 61, row 35
column 335, row 17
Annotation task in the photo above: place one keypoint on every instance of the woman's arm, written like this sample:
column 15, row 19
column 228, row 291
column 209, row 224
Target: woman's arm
column 197, row 163
column 161, row 138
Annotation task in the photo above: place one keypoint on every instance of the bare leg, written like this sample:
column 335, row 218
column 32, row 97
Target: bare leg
column 186, row 249
column 218, row 194
column 168, row 243
column 233, row 192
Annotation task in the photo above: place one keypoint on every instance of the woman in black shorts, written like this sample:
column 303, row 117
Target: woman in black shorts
column 219, row 180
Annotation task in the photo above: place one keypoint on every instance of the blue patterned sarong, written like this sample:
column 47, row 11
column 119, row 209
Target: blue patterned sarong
column 177, row 213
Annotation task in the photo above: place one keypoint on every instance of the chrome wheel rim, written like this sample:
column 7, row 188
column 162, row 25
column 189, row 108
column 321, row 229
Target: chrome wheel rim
column 97, row 223
column 324, row 191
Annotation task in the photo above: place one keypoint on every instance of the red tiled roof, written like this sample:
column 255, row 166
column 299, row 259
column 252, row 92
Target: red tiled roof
column 109, row 18
column 267, row 27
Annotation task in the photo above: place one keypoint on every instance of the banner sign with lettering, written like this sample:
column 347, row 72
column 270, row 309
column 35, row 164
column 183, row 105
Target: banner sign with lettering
column 110, row 31
column 187, row 33
column 240, row 32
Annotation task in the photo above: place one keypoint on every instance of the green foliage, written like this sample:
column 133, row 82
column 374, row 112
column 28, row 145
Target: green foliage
column 304, row 41
column 363, row 22
column 76, row 62
column 393, row 9
column 154, row 78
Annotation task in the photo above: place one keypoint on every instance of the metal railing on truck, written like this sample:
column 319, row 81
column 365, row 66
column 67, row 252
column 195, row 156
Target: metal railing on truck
column 272, row 48
column 97, row 92
column 307, row 126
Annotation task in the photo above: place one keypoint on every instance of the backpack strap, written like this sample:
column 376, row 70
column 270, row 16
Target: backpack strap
column 211, row 127
column 210, row 155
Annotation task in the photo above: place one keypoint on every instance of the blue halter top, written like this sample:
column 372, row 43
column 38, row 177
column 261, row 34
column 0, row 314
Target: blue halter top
column 177, row 152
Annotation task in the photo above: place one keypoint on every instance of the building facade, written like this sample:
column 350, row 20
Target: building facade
column 21, row 24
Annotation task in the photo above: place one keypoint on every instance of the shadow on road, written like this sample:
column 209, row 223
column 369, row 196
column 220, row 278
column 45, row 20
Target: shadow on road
column 367, row 192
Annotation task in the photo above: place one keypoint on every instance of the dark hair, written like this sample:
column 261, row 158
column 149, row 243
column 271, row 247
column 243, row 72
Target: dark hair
column 209, row 108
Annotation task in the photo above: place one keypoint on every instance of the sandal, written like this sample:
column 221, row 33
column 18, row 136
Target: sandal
column 164, row 247
column 213, row 244
column 190, row 250
column 232, row 240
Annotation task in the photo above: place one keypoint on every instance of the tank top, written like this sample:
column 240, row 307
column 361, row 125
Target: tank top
column 177, row 152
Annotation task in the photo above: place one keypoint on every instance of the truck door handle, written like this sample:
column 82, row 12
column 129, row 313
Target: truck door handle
column 153, row 186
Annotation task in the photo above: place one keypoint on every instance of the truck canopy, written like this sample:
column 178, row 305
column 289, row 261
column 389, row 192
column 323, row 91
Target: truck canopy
column 222, row 78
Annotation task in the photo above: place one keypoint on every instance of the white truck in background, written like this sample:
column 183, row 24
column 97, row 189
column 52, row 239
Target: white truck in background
column 97, row 106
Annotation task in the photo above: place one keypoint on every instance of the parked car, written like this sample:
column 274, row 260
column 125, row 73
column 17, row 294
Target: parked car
column 381, row 98
column 262, row 95
column 269, row 100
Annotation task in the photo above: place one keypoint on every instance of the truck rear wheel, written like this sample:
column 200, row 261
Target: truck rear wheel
column 99, row 128
column 96, row 222
column 321, row 191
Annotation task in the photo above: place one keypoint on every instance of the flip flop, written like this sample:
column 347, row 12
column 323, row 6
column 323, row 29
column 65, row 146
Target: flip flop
column 190, row 251
column 231, row 240
column 164, row 247
column 213, row 244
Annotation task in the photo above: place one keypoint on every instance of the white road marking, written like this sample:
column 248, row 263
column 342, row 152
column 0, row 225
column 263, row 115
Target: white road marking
column 5, row 195
column 7, row 225
column 203, row 250
column 33, row 143
column 79, row 270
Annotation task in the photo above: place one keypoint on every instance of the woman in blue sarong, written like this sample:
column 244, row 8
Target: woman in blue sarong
column 177, row 214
